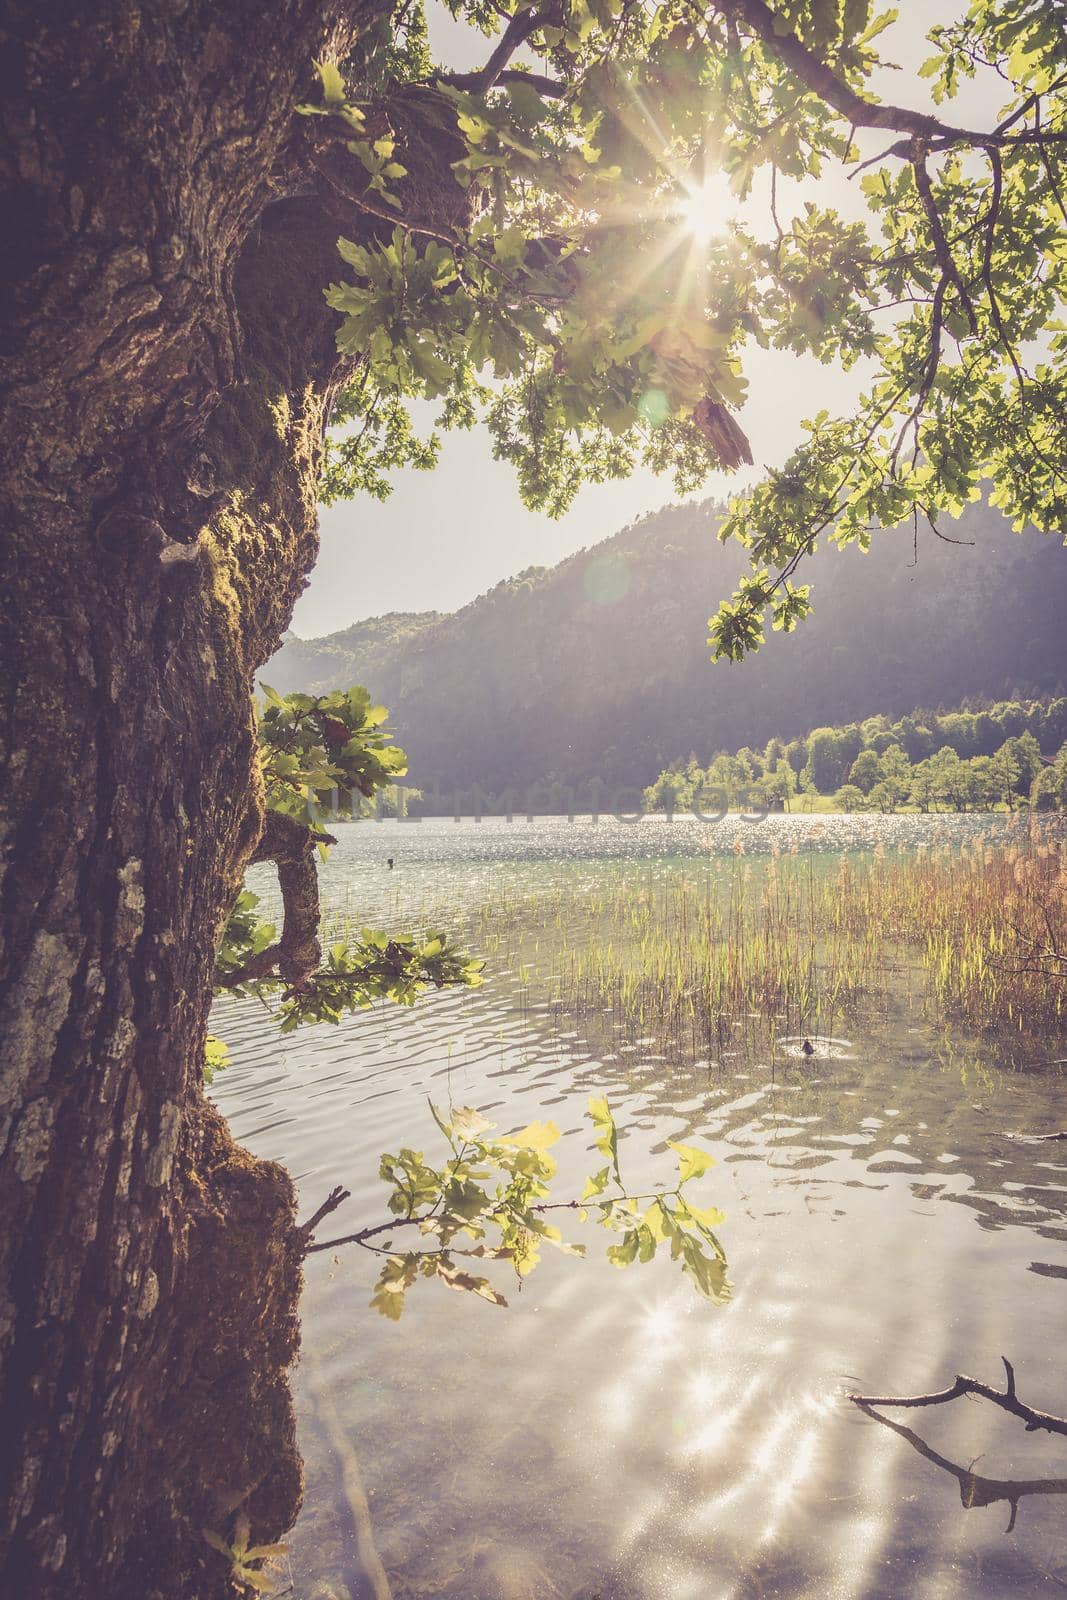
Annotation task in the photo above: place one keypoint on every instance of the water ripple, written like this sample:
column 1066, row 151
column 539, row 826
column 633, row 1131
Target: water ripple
column 610, row 1435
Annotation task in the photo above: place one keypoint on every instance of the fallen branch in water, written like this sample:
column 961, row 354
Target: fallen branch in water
column 1007, row 1399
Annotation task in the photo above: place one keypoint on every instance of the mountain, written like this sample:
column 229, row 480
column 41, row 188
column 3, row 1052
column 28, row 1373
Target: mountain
column 599, row 666
column 328, row 663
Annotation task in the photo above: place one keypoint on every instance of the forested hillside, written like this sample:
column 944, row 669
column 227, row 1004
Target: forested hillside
column 599, row 666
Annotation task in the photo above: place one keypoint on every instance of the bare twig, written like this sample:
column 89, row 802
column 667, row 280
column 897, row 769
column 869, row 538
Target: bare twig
column 872, row 161
column 1047, row 961
column 944, row 537
column 1007, row 1399
column 335, row 1198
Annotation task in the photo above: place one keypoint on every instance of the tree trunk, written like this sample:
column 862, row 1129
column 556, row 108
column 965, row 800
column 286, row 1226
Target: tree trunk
column 169, row 364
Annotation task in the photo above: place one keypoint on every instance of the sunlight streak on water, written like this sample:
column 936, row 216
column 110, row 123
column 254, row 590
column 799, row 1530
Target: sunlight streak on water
column 717, row 1435
column 610, row 1435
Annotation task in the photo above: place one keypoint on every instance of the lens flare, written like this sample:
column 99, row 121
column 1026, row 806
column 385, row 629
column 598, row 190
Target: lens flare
column 706, row 208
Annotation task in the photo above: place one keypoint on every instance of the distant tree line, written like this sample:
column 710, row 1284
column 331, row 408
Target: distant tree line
column 1007, row 754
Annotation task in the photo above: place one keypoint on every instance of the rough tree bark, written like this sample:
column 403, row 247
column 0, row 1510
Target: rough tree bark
column 169, row 364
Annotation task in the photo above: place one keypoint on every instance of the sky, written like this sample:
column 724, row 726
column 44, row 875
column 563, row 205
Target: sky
column 445, row 536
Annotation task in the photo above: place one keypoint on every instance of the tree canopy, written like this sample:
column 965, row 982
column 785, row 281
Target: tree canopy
column 580, row 306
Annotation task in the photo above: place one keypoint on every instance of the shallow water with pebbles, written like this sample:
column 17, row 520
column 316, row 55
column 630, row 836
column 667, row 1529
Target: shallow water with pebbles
column 609, row 1434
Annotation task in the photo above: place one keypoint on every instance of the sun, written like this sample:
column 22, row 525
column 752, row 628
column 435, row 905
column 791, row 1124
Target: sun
column 706, row 207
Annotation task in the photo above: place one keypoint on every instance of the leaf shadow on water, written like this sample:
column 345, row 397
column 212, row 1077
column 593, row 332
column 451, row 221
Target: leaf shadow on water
column 976, row 1491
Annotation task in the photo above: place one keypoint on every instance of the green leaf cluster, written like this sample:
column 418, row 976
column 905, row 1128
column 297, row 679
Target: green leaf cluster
column 357, row 972
column 319, row 751
column 489, row 1200
column 250, row 1564
column 216, row 1057
column 246, row 934
column 371, row 436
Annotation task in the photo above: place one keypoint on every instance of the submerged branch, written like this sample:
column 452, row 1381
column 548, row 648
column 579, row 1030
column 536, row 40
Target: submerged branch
column 976, row 1490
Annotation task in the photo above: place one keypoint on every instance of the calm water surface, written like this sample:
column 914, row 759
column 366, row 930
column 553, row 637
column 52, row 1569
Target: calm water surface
column 611, row 1435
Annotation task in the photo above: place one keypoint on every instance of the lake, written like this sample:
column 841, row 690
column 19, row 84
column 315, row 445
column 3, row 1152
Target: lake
column 611, row 1436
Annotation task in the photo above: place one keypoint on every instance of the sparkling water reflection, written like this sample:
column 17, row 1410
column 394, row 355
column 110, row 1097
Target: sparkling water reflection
column 610, row 1435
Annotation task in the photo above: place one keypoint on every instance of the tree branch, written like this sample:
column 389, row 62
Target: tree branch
column 335, row 1198
column 1030, row 103
column 945, row 259
column 364, row 1234
column 290, row 845
column 362, row 201
column 550, row 88
column 933, row 360
column 515, row 35
column 859, row 111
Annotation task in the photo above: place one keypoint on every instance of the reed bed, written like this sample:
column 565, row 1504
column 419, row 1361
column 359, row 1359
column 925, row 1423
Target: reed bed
column 989, row 920
column 734, row 948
